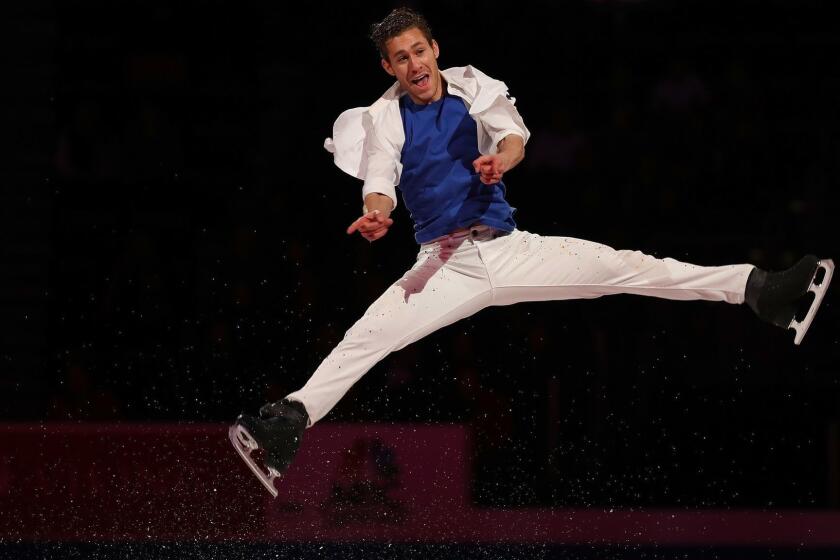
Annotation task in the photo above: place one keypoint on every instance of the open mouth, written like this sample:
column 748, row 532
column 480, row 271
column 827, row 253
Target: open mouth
column 421, row 81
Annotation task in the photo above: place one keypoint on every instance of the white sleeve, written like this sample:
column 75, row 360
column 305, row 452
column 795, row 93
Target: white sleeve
column 347, row 142
column 382, row 172
column 501, row 119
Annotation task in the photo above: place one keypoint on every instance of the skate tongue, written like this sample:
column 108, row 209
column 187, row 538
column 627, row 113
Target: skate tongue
column 293, row 410
column 755, row 283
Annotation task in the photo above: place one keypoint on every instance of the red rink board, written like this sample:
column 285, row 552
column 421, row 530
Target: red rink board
column 395, row 483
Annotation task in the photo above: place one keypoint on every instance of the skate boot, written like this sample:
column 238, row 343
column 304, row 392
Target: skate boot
column 277, row 432
column 782, row 297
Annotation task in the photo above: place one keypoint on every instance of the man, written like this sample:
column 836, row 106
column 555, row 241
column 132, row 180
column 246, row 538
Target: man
column 447, row 138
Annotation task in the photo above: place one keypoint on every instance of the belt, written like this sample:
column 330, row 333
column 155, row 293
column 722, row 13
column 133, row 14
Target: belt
column 473, row 231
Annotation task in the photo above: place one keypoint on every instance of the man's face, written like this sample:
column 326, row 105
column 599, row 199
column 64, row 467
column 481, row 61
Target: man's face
column 413, row 62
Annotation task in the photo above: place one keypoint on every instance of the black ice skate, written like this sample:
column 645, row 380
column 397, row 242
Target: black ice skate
column 277, row 432
column 779, row 297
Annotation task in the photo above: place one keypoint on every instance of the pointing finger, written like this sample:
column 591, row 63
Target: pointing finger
column 480, row 161
column 356, row 225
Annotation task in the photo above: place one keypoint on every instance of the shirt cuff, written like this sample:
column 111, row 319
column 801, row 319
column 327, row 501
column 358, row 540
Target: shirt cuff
column 382, row 187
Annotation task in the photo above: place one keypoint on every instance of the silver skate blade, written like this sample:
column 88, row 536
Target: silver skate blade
column 244, row 445
column 819, row 291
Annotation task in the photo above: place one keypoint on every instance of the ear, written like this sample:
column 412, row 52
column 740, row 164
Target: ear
column 387, row 66
column 435, row 48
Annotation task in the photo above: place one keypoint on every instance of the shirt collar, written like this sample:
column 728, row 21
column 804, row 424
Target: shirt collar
column 455, row 84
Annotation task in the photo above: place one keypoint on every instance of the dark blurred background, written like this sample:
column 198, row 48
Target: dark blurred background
column 174, row 246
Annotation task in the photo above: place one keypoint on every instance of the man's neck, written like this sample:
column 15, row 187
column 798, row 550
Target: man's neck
column 438, row 94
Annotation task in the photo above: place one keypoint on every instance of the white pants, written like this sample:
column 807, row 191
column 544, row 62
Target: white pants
column 457, row 275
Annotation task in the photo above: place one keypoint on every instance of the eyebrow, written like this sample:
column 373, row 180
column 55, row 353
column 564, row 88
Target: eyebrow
column 411, row 47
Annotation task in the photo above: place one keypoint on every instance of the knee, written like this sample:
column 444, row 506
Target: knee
column 628, row 264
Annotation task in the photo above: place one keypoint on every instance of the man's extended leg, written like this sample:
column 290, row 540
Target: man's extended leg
column 527, row 267
column 448, row 282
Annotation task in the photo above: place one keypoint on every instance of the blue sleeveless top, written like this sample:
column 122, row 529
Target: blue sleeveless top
column 438, row 183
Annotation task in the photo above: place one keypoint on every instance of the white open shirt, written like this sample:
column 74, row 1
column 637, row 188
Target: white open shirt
column 367, row 141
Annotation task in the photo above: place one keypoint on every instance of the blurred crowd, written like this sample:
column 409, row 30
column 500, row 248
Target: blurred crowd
column 199, row 266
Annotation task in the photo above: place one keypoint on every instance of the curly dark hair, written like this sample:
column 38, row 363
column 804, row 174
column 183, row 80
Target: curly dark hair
column 395, row 23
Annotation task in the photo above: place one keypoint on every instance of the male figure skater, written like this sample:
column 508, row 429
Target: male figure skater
column 447, row 137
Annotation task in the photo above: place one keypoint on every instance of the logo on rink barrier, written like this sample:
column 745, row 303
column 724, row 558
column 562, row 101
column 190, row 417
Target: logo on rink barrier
column 363, row 486
column 368, row 481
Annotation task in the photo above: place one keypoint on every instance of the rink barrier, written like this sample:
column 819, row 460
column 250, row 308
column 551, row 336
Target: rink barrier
column 87, row 482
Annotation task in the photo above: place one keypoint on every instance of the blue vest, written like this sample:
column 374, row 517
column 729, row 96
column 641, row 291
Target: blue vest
column 439, row 186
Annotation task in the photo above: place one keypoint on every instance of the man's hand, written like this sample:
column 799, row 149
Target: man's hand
column 372, row 225
column 491, row 168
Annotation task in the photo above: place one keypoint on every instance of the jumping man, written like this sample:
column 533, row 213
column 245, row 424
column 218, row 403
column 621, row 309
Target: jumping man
column 447, row 138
